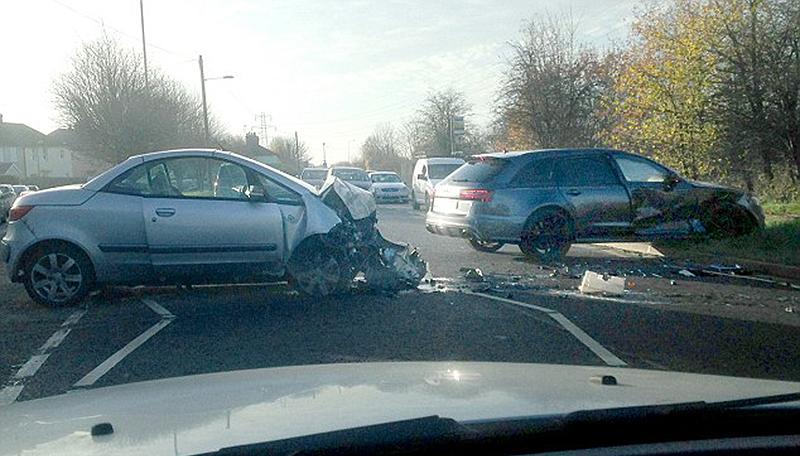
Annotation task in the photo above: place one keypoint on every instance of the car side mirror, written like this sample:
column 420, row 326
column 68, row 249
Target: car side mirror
column 421, row 177
column 256, row 193
column 671, row 180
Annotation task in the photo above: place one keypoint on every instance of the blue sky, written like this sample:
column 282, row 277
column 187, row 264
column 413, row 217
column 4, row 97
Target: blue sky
column 330, row 70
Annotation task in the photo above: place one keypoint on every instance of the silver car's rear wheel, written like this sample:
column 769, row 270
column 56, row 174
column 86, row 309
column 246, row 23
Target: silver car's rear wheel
column 57, row 276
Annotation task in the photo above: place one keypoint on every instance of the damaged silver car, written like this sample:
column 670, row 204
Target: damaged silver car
column 198, row 216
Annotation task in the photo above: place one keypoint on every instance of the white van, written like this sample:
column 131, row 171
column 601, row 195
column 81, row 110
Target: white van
column 427, row 173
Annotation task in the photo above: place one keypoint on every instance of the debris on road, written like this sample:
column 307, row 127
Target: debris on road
column 593, row 283
column 474, row 275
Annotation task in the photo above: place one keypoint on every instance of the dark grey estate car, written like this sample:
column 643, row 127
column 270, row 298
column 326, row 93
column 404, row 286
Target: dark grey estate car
column 545, row 200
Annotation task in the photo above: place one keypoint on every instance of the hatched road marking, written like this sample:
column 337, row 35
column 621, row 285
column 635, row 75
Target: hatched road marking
column 98, row 372
column 593, row 345
column 12, row 390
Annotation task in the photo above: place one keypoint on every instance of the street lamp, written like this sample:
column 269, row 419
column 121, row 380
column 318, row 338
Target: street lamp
column 203, row 80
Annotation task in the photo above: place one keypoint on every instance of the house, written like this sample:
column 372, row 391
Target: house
column 36, row 155
column 21, row 145
column 9, row 169
column 258, row 152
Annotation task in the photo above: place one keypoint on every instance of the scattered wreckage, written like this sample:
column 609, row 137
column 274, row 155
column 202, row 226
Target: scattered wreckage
column 328, row 263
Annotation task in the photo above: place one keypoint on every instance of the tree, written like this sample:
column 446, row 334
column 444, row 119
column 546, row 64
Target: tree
column 551, row 88
column 103, row 97
column 431, row 124
column 382, row 149
column 664, row 97
column 294, row 157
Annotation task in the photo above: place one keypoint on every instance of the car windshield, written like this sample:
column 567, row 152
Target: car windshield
column 385, row 178
column 478, row 170
column 314, row 174
column 351, row 174
column 441, row 170
column 255, row 212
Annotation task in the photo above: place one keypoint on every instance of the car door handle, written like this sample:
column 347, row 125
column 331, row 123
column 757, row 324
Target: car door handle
column 165, row 212
column 573, row 192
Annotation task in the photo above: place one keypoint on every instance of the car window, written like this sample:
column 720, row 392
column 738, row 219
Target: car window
column 586, row 172
column 536, row 174
column 478, row 170
column 316, row 174
column 385, row 178
column 637, row 170
column 276, row 192
column 442, row 170
column 351, row 174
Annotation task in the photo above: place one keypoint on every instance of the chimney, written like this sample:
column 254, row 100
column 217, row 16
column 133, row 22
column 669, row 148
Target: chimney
column 251, row 139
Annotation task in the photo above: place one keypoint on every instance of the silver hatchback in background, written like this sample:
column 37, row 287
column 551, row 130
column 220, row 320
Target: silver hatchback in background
column 189, row 216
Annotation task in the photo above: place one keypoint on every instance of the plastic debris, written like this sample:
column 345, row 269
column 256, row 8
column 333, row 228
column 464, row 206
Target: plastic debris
column 597, row 283
column 474, row 275
column 686, row 273
column 789, row 309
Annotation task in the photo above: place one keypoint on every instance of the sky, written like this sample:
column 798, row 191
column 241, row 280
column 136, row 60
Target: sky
column 329, row 69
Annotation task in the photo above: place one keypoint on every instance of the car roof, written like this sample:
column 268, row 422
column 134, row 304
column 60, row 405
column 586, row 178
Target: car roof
column 383, row 172
column 347, row 167
column 442, row 160
column 315, row 169
column 550, row 152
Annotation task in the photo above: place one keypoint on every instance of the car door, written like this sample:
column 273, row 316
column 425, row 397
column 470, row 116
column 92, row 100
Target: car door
column 598, row 200
column 201, row 224
column 660, row 202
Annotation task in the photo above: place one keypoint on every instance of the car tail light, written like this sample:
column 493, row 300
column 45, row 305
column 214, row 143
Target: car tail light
column 476, row 194
column 17, row 212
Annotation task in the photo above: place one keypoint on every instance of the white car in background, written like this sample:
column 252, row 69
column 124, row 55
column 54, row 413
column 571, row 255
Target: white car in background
column 388, row 187
column 427, row 173
column 7, row 197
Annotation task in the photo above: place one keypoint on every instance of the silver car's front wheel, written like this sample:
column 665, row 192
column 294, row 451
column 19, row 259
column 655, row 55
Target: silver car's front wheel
column 57, row 276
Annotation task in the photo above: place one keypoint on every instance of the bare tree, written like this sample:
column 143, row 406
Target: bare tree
column 551, row 87
column 382, row 149
column 294, row 157
column 431, row 124
column 103, row 97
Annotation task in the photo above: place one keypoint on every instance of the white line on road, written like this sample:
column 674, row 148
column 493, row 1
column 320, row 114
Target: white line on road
column 54, row 340
column 158, row 308
column 9, row 394
column 72, row 319
column 31, row 366
column 11, row 391
column 602, row 352
column 166, row 318
column 90, row 378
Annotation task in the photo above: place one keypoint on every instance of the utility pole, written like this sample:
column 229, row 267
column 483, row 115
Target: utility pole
column 324, row 157
column 203, row 91
column 144, row 46
column 297, row 152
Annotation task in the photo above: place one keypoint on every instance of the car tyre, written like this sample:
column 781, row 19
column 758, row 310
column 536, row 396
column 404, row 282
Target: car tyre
column 414, row 202
column 546, row 237
column 315, row 270
column 427, row 202
column 485, row 246
column 58, row 275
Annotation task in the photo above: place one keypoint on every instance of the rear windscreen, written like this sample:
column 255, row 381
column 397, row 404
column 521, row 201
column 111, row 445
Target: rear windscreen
column 351, row 174
column 315, row 174
column 478, row 170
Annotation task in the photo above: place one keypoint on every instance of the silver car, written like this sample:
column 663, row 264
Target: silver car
column 182, row 216
column 314, row 176
column 351, row 175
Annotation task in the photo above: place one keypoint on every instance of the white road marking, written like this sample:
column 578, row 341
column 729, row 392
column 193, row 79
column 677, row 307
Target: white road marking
column 72, row 319
column 602, row 352
column 158, row 308
column 166, row 318
column 31, row 366
column 9, row 394
column 54, row 340
column 92, row 377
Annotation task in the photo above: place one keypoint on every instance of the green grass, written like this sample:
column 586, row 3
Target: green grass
column 778, row 242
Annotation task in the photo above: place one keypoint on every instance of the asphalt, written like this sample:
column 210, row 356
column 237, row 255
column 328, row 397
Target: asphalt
column 124, row 335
